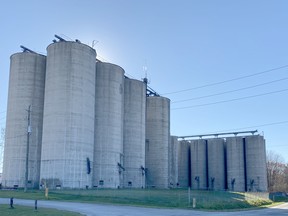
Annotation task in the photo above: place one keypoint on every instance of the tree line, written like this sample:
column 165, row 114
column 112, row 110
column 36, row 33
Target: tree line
column 277, row 173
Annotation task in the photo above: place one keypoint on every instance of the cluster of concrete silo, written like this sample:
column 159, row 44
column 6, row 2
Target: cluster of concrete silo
column 231, row 163
column 88, row 123
column 76, row 122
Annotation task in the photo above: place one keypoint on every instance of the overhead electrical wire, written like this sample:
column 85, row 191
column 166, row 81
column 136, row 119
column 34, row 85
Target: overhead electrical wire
column 230, row 100
column 226, row 92
column 255, row 126
column 226, row 81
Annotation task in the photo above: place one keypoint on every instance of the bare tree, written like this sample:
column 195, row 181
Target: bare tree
column 277, row 172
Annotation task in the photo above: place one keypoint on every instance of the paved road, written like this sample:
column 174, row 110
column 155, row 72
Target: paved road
column 112, row 210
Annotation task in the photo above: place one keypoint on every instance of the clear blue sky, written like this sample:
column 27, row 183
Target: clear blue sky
column 184, row 44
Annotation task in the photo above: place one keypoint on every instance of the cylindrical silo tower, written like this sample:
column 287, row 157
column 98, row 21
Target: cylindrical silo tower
column 256, row 173
column 68, row 124
column 173, row 161
column 26, row 88
column 216, row 164
column 134, row 133
column 184, row 164
column 109, row 115
column 235, row 163
column 157, row 141
column 199, row 171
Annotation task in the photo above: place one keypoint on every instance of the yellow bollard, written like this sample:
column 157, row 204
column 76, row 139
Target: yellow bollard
column 46, row 192
column 194, row 202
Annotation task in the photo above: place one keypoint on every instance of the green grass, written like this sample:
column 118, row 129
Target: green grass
column 173, row 198
column 5, row 210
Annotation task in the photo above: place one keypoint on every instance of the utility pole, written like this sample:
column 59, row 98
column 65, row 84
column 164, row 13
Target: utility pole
column 27, row 148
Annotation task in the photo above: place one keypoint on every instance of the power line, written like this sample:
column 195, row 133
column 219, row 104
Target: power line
column 277, row 146
column 231, row 100
column 226, row 92
column 255, row 126
column 226, row 81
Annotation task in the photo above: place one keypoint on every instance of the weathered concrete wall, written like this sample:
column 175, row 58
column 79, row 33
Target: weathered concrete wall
column 255, row 151
column 157, row 141
column 26, row 87
column 235, row 163
column 134, row 133
column 68, row 125
column 216, row 164
column 184, row 163
column 173, row 161
column 199, row 164
column 109, row 115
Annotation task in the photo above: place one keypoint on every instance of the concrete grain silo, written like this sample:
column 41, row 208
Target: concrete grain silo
column 199, row 172
column 184, row 164
column 256, row 173
column 68, row 124
column 216, row 164
column 26, row 88
column 134, row 133
column 235, row 163
column 157, row 141
column 109, row 115
column 173, row 161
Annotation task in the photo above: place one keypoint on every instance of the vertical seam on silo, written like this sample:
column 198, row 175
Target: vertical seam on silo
column 207, row 165
column 245, row 163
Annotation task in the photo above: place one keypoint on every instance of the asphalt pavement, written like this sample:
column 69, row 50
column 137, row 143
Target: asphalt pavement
column 121, row 210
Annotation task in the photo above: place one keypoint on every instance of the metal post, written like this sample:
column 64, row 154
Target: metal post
column 27, row 149
column 11, row 203
column 189, row 196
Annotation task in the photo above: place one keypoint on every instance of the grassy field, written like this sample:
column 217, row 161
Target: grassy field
column 173, row 198
column 5, row 210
